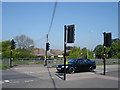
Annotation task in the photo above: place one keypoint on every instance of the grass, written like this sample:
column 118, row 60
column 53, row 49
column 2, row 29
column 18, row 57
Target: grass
column 38, row 63
column 4, row 66
column 26, row 63
column 109, row 64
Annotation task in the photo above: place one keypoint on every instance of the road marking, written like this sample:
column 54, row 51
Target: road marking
column 35, row 72
column 28, row 81
column 15, row 82
column 6, row 81
column 30, row 72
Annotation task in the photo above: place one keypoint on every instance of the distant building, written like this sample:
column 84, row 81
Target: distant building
column 53, row 52
column 56, row 52
column 39, row 52
column 68, row 50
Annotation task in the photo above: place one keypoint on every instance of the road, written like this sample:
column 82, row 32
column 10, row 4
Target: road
column 38, row 76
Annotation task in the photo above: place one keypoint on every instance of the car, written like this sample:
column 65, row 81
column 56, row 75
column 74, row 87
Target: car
column 77, row 64
column 40, row 58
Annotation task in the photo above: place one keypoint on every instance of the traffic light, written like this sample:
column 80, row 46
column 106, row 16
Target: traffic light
column 107, row 39
column 70, row 35
column 47, row 46
column 12, row 44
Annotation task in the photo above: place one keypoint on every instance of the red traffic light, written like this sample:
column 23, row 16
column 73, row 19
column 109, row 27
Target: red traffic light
column 104, row 57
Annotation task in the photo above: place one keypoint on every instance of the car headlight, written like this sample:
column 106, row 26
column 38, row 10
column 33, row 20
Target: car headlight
column 63, row 66
column 66, row 66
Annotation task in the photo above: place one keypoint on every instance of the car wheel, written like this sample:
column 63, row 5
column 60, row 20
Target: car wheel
column 91, row 69
column 71, row 70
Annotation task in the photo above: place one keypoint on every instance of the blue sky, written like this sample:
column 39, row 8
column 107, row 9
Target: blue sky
column 33, row 19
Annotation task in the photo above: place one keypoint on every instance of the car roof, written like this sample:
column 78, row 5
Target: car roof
column 79, row 58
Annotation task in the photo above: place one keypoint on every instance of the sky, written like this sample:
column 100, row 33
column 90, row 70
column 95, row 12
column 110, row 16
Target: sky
column 33, row 19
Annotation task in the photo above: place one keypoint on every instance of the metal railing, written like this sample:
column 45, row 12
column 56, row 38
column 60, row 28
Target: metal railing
column 56, row 61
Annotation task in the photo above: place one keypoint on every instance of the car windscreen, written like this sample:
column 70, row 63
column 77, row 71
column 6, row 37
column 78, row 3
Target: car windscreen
column 71, row 61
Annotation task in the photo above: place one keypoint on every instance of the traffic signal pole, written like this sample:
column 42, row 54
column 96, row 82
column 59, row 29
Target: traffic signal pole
column 11, row 48
column 104, row 61
column 65, row 28
column 70, row 39
column 107, row 43
column 46, row 51
column 10, row 58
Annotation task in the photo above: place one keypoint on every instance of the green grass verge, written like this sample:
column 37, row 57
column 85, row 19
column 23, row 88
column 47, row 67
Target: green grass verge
column 109, row 64
column 38, row 63
column 26, row 63
column 4, row 66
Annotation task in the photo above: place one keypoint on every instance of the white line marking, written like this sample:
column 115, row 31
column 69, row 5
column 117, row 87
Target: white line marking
column 15, row 82
column 6, row 81
column 28, row 81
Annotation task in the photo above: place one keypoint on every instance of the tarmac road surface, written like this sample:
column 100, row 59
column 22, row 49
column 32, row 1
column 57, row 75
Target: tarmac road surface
column 38, row 76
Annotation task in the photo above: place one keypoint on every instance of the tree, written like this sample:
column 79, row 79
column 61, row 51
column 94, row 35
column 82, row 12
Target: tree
column 111, row 52
column 118, row 55
column 69, row 48
column 84, row 53
column 21, row 53
column 99, row 51
column 90, row 54
column 17, row 53
column 75, row 53
column 115, row 49
column 24, row 42
column 6, row 45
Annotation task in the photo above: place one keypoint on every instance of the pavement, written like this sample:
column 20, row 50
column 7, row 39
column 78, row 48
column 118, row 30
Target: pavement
column 38, row 76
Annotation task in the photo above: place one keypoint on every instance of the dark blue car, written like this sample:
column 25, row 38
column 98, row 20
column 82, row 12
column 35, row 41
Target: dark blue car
column 77, row 64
